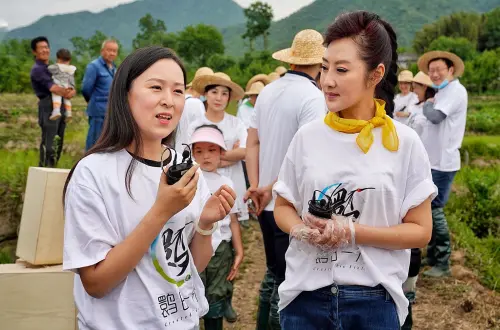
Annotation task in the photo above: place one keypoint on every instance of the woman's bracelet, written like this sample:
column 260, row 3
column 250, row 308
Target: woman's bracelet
column 205, row 232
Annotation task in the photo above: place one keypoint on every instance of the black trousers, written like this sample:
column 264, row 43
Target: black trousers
column 275, row 245
column 52, row 141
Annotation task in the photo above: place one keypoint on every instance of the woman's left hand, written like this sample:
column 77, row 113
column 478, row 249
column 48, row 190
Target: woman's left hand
column 218, row 205
column 333, row 234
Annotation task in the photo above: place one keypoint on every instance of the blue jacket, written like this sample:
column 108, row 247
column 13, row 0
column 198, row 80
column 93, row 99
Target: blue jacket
column 96, row 85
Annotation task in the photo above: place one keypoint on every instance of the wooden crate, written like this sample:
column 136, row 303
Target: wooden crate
column 36, row 298
column 41, row 232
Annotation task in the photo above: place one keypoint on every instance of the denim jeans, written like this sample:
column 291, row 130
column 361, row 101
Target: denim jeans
column 342, row 307
column 439, row 248
column 275, row 246
column 95, row 128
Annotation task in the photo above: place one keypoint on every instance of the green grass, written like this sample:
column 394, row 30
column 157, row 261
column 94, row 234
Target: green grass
column 481, row 146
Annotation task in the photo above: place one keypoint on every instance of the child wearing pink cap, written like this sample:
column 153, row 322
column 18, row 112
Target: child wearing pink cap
column 207, row 143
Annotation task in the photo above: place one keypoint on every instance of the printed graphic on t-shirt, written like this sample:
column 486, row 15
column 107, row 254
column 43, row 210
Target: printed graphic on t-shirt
column 347, row 202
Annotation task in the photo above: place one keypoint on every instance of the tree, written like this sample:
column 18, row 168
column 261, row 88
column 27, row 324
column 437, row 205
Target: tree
column 151, row 32
column 196, row 44
column 462, row 47
column 461, row 24
column 86, row 49
column 489, row 32
column 259, row 17
column 483, row 72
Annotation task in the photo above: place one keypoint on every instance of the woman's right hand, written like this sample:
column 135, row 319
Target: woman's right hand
column 172, row 199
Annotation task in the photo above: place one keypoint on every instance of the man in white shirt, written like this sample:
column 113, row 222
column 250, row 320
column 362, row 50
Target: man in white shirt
column 282, row 108
column 446, row 115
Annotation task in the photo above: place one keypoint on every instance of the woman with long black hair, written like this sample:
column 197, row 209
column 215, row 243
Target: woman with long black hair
column 135, row 242
column 354, row 191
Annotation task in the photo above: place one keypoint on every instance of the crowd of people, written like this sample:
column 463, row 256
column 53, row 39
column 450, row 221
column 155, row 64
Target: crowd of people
column 347, row 180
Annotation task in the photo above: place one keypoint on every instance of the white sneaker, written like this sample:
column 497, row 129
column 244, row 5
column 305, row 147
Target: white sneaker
column 55, row 115
column 69, row 116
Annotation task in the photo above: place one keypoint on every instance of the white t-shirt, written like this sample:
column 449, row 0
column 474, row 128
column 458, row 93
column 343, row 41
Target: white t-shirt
column 444, row 140
column 233, row 130
column 164, row 291
column 223, row 232
column 377, row 189
column 403, row 103
column 417, row 120
column 193, row 110
column 281, row 109
column 245, row 111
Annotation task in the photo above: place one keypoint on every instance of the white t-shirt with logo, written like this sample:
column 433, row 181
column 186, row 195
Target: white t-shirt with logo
column 245, row 111
column 164, row 291
column 214, row 181
column 193, row 110
column 233, row 130
column 376, row 189
column 404, row 103
column 444, row 140
column 281, row 109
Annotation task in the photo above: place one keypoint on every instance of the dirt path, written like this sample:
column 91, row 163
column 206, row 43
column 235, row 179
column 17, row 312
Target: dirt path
column 455, row 303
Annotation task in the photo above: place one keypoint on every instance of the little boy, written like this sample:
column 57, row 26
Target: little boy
column 63, row 74
column 207, row 143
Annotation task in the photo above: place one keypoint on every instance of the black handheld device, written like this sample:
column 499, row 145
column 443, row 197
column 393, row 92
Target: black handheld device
column 321, row 208
column 176, row 171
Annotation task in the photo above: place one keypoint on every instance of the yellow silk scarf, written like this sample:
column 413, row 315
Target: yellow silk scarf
column 364, row 140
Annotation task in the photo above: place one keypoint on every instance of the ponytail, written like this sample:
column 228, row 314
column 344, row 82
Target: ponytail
column 385, row 90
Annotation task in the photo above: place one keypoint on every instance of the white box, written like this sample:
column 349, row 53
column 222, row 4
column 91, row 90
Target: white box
column 41, row 234
column 36, row 298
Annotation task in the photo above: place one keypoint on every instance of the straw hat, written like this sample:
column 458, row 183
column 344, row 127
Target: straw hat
column 273, row 76
column 423, row 79
column 219, row 79
column 256, row 88
column 260, row 77
column 307, row 49
column 458, row 64
column 405, row 76
column 201, row 72
column 281, row 70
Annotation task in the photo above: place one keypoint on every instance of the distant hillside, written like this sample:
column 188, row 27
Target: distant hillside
column 407, row 17
column 122, row 21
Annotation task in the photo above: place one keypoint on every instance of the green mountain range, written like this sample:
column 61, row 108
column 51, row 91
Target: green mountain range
column 407, row 17
column 122, row 21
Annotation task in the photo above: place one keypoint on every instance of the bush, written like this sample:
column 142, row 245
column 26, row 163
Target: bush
column 486, row 120
column 487, row 147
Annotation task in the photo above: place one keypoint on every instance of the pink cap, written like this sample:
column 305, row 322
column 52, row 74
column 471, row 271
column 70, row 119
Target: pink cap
column 208, row 134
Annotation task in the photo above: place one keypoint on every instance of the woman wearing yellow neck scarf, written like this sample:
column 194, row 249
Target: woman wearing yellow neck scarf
column 354, row 191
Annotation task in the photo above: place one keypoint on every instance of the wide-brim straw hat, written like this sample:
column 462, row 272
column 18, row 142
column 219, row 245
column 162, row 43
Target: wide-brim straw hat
column 201, row 72
column 458, row 64
column 423, row 79
column 256, row 88
column 405, row 76
column 274, row 76
column 260, row 77
column 219, row 79
column 281, row 70
column 307, row 49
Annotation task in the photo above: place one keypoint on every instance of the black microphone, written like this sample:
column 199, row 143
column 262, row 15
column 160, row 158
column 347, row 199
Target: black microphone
column 176, row 171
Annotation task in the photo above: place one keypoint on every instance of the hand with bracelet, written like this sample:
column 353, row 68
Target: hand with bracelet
column 216, row 208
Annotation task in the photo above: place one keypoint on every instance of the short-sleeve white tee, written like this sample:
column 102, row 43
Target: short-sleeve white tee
column 445, row 139
column 214, row 181
column 404, row 103
column 164, row 291
column 193, row 110
column 376, row 189
column 233, row 130
column 281, row 109
column 245, row 112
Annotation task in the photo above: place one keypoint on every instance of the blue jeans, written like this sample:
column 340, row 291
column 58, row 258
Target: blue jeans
column 95, row 129
column 342, row 307
column 443, row 181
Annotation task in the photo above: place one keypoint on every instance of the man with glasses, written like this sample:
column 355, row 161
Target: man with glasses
column 446, row 116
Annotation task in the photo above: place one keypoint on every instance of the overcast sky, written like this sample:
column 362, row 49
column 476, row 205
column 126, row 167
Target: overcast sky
column 15, row 13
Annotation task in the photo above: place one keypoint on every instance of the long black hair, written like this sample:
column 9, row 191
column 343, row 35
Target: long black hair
column 120, row 129
column 377, row 43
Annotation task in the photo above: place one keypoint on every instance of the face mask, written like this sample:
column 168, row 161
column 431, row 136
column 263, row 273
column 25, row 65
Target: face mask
column 443, row 85
column 203, row 98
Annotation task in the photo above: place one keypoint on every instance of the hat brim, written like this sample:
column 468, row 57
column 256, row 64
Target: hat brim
column 209, row 135
column 285, row 55
column 424, row 60
column 260, row 77
column 201, row 82
column 249, row 93
column 405, row 80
